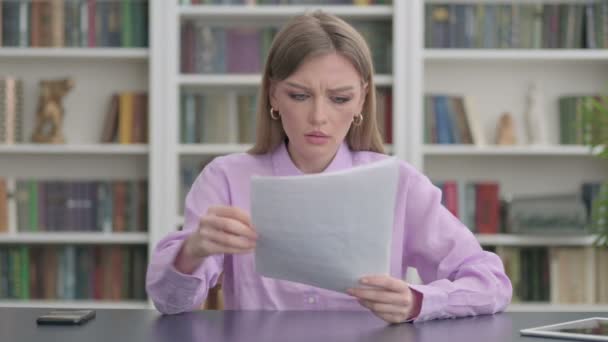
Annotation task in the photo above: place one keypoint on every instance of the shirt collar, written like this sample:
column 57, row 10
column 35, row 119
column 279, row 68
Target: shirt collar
column 283, row 165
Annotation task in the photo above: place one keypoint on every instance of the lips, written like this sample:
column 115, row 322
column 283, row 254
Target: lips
column 317, row 138
column 317, row 134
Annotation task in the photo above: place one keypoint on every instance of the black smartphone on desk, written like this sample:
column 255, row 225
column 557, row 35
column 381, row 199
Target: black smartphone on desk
column 66, row 317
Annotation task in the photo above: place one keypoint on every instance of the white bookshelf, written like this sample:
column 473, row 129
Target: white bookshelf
column 98, row 72
column 497, row 80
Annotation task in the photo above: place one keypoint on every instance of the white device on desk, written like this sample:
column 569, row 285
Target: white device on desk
column 589, row 329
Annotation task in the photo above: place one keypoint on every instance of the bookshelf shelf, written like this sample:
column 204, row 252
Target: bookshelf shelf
column 245, row 80
column 533, row 151
column 74, row 238
column 71, row 53
column 75, row 304
column 211, row 149
column 534, row 240
column 282, row 12
column 476, row 55
column 96, row 149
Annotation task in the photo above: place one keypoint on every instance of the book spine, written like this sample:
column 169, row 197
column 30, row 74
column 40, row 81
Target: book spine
column 127, row 23
column 125, row 118
column 10, row 110
column 4, row 199
column 3, row 112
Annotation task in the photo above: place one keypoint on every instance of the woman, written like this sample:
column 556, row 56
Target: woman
column 317, row 114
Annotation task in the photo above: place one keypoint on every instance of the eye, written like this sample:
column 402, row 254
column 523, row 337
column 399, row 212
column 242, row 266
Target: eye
column 298, row 97
column 340, row 99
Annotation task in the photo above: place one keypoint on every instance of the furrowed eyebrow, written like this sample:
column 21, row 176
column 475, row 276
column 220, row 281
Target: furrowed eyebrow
column 345, row 88
column 295, row 85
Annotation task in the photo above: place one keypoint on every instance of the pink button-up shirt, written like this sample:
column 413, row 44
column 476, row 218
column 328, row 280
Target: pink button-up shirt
column 459, row 278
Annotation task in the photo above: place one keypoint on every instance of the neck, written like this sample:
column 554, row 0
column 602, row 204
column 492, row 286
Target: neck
column 310, row 165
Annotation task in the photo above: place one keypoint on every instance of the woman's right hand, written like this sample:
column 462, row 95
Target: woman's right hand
column 223, row 230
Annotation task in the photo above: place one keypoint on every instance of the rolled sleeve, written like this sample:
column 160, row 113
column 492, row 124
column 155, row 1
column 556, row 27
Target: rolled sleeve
column 170, row 290
column 459, row 277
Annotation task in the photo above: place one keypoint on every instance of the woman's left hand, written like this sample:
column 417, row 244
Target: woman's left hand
column 389, row 298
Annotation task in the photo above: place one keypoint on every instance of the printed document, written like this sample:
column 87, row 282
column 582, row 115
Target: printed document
column 328, row 229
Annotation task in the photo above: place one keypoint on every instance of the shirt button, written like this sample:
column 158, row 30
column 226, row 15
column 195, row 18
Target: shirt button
column 311, row 300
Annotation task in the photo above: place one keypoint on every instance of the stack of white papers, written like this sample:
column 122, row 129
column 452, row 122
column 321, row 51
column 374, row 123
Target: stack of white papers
column 326, row 230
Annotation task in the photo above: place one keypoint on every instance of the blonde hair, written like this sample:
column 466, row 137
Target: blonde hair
column 305, row 36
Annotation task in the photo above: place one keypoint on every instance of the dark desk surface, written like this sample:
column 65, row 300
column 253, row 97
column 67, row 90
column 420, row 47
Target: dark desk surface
column 18, row 324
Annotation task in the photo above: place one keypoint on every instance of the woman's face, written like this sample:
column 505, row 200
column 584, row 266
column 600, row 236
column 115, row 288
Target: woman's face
column 317, row 104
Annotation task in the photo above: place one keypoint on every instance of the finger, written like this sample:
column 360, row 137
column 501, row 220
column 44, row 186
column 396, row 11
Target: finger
column 385, row 282
column 226, row 239
column 231, row 212
column 392, row 318
column 381, row 296
column 229, row 225
column 384, row 308
column 214, row 248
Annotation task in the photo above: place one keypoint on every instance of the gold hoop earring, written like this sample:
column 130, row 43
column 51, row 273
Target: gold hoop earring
column 358, row 119
column 272, row 114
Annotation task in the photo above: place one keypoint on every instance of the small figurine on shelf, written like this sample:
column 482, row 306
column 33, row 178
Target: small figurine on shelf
column 505, row 131
column 49, row 117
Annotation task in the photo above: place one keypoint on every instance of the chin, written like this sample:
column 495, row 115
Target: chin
column 315, row 149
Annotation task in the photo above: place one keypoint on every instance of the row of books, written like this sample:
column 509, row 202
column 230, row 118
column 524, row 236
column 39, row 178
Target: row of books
column 241, row 49
column 126, row 120
column 70, row 272
column 208, row 118
column 563, row 214
column 483, row 210
column 451, row 120
column 595, row 199
column 517, row 26
column 576, row 116
column 559, row 275
column 476, row 204
column 206, row 49
column 11, row 110
column 102, row 206
column 74, row 23
column 591, row 192
column 286, row 2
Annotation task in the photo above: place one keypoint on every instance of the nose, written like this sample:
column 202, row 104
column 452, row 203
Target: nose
column 318, row 114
